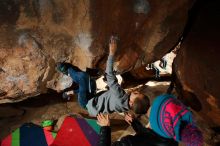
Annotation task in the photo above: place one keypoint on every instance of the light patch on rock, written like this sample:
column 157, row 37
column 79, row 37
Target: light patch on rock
column 17, row 79
column 26, row 40
column 155, row 83
column 212, row 101
column 84, row 41
column 141, row 6
column 65, row 82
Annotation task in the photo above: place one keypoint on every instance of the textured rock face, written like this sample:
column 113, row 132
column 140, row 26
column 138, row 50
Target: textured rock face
column 196, row 65
column 35, row 34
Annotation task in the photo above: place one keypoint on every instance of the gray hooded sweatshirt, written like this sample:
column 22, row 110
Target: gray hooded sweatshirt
column 113, row 100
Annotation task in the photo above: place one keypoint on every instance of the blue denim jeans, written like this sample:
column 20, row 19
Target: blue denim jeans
column 87, row 86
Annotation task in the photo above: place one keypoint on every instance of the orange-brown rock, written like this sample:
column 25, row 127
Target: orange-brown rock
column 35, row 34
column 196, row 65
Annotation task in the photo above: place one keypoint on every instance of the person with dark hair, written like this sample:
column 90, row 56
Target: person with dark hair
column 113, row 100
column 143, row 137
column 139, row 103
column 170, row 118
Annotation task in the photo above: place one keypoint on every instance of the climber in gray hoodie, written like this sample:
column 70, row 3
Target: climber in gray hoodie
column 115, row 99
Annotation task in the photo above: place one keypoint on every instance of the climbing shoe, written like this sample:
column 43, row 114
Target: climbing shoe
column 63, row 67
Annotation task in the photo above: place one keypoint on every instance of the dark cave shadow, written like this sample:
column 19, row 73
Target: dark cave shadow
column 9, row 12
column 192, row 15
column 216, row 130
column 23, row 107
column 49, row 98
column 190, row 99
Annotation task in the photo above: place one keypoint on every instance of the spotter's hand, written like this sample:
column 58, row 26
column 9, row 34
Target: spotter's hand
column 129, row 118
column 103, row 120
